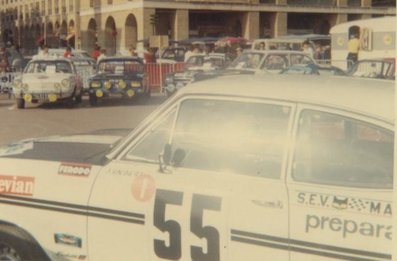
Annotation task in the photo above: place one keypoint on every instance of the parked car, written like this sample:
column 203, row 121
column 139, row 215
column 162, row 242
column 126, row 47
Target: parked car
column 122, row 77
column 59, row 52
column 172, row 55
column 313, row 69
column 48, row 80
column 195, row 64
column 384, row 68
column 86, row 68
column 236, row 168
column 272, row 61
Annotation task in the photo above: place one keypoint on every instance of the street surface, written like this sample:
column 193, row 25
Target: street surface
column 57, row 119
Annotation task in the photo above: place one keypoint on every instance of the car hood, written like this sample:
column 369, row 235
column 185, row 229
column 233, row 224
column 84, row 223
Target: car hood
column 44, row 77
column 89, row 148
column 127, row 76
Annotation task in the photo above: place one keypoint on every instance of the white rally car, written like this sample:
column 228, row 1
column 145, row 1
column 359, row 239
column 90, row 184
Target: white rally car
column 48, row 80
column 282, row 169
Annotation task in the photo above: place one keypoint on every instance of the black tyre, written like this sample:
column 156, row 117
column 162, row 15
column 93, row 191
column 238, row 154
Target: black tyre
column 15, row 245
column 20, row 103
column 78, row 99
column 93, row 99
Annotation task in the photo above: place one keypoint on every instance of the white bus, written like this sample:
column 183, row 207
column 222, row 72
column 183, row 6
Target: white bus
column 377, row 39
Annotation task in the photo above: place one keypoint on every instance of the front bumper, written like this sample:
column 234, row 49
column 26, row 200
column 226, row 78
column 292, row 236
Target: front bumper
column 43, row 96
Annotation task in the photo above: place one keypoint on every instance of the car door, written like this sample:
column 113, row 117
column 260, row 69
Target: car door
column 203, row 181
column 47, row 198
column 339, row 186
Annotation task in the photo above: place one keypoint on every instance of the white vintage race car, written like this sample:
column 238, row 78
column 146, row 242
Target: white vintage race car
column 282, row 169
column 48, row 80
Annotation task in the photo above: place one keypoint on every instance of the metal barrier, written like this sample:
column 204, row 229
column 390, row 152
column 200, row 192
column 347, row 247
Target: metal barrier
column 157, row 71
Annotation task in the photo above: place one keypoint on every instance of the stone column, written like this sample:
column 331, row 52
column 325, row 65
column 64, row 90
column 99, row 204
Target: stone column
column 337, row 19
column 143, row 23
column 251, row 25
column 279, row 25
column 341, row 3
column 180, row 28
column 366, row 3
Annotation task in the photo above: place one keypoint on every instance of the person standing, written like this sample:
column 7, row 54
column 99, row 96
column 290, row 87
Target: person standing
column 96, row 52
column 307, row 48
column 353, row 47
column 68, row 52
column 103, row 55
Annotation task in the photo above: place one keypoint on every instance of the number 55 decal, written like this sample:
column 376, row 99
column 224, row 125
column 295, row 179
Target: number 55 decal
column 173, row 250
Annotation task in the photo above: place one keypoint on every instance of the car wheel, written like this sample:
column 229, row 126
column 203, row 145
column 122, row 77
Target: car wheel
column 16, row 246
column 20, row 104
column 93, row 99
column 79, row 98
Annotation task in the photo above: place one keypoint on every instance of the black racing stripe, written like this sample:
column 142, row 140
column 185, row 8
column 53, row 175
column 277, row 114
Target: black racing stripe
column 259, row 236
column 327, row 254
column 83, row 211
column 315, row 247
column 340, row 249
column 259, row 243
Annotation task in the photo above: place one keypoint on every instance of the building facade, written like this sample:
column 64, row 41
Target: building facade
column 119, row 24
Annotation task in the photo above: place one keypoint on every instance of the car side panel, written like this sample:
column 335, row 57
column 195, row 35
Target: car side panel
column 49, row 201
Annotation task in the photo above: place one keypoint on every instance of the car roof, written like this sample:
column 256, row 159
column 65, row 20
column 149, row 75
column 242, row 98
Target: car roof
column 274, row 51
column 51, row 59
column 370, row 97
column 121, row 58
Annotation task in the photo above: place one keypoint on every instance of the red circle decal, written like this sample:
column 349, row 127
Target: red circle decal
column 143, row 187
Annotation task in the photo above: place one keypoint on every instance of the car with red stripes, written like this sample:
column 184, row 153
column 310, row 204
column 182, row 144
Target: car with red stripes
column 282, row 169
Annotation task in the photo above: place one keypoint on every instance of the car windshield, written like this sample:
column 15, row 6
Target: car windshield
column 372, row 69
column 120, row 66
column 254, row 147
column 247, row 60
column 49, row 67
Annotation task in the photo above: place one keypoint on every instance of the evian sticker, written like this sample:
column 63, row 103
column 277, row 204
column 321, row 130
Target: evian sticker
column 74, row 169
column 16, row 185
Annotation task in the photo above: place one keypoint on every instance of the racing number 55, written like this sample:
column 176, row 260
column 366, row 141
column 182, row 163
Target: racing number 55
column 174, row 249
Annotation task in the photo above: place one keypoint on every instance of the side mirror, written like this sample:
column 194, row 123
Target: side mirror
column 167, row 154
column 179, row 156
column 165, row 157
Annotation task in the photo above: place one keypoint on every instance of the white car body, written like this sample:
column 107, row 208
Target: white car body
column 48, row 80
column 281, row 169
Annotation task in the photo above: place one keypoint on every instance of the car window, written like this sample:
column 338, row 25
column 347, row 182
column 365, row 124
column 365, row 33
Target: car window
column 49, row 67
column 247, row 60
column 120, row 67
column 300, row 59
column 226, row 136
column 275, row 62
column 336, row 150
column 371, row 69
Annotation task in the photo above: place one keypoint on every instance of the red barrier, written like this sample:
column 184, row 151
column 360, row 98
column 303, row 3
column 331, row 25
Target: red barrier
column 156, row 73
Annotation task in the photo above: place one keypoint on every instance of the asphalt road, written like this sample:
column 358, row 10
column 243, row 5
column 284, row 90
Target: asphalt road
column 57, row 119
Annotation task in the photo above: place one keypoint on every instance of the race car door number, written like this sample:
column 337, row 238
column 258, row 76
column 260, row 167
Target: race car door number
column 200, row 203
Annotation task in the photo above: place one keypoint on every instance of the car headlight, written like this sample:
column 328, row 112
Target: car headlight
column 122, row 84
column 96, row 84
column 65, row 82
column 107, row 85
column 135, row 84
